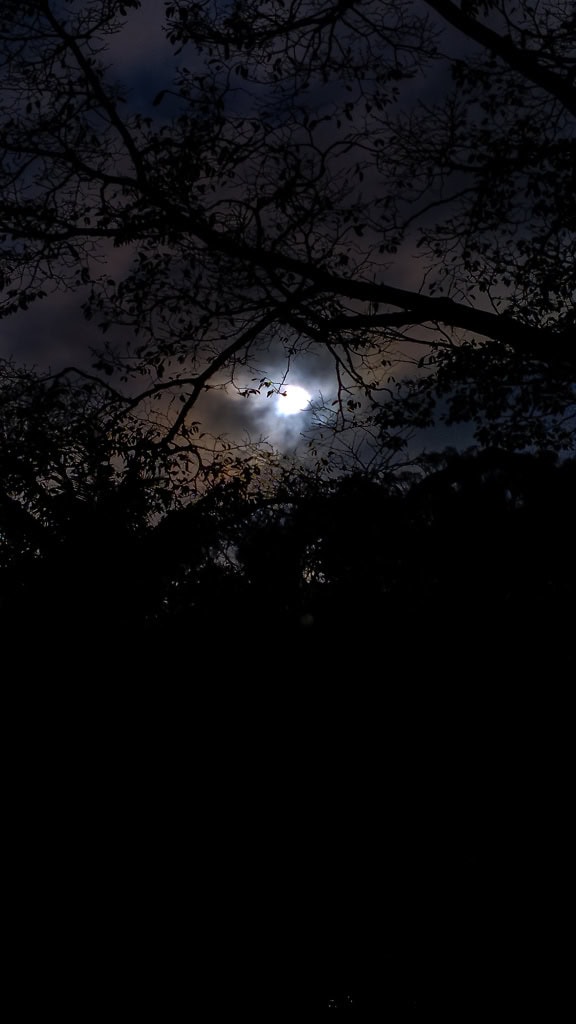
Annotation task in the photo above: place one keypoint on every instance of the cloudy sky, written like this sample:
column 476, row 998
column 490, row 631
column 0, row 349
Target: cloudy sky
column 54, row 333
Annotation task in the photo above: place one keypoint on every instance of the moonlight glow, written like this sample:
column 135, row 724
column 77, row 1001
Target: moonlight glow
column 292, row 400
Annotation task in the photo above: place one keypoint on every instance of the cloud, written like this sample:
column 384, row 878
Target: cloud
column 255, row 415
column 51, row 333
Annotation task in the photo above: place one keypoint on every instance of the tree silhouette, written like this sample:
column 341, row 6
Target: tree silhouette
column 280, row 196
column 96, row 528
column 390, row 186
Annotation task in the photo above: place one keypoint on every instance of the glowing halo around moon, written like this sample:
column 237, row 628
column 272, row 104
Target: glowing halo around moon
column 293, row 399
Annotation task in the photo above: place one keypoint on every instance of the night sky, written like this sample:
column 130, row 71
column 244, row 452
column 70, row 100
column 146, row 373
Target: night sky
column 54, row 334
column 344, row 676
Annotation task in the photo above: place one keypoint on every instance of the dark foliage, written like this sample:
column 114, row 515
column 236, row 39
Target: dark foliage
column 96, row 536
column 278, row 721
column 302, row 164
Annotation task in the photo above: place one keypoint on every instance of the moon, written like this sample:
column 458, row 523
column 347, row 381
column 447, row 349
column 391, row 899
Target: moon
column 292, row 400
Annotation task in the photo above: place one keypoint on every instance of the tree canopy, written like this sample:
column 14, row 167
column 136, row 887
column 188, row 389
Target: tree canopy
column 97, row 530
column 388, row 186
column 390, row 183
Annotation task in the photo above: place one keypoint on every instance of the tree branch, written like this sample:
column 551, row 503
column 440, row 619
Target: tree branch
column 100, row 93
column 245, row 339
column 544, row 344
column 502, row 46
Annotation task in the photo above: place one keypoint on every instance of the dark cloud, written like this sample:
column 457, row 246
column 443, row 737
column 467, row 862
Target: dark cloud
column 51, row 333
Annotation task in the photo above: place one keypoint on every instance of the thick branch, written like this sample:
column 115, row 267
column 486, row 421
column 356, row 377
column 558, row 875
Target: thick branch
column 522, row 61
column 419, row 308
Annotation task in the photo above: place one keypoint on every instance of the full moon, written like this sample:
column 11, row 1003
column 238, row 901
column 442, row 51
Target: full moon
column 294, row 400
